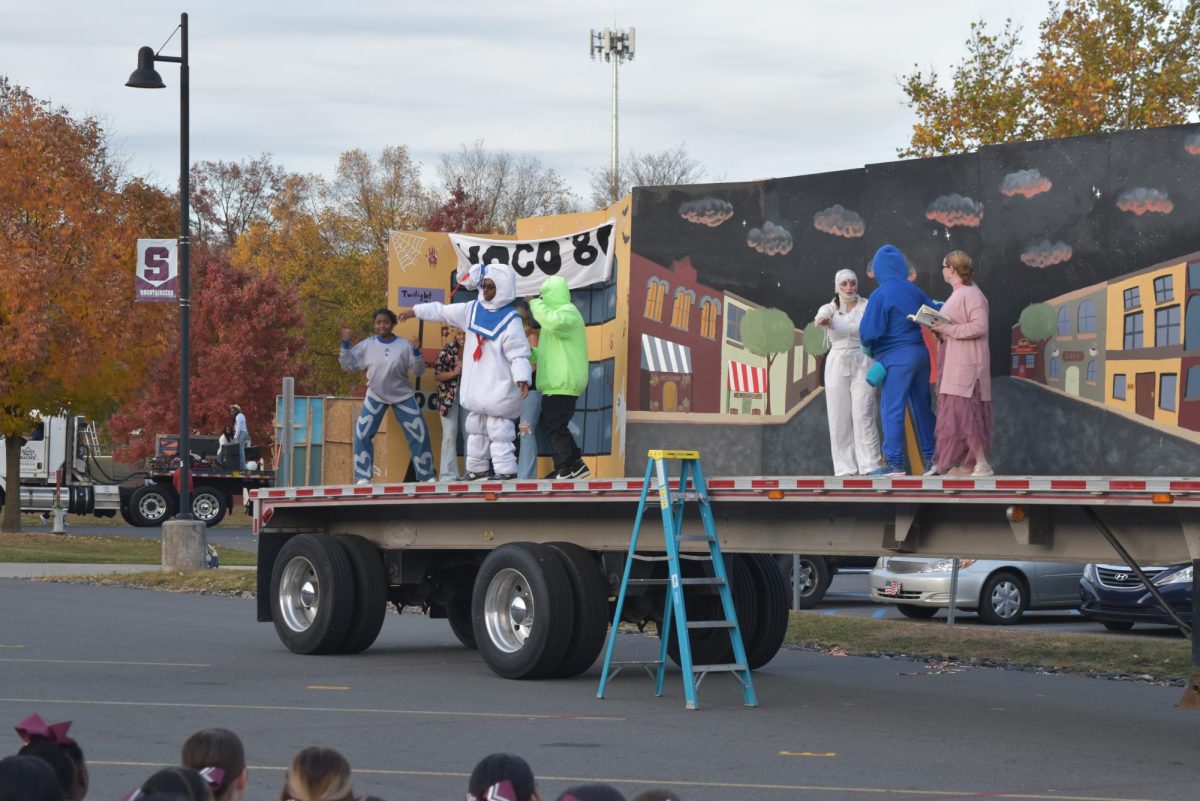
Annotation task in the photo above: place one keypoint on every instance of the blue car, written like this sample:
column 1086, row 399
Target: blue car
column 1116, row 597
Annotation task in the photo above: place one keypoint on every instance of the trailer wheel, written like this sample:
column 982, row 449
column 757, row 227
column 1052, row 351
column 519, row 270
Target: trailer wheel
column 813, row 579
column 125, row 515
column 370, row 583
column 458, row 610
column 312, row 588
column 592, row 615
column 713, row 646
column 523, row 610
column 209, row 504
column 152, row 505
column 771, row 624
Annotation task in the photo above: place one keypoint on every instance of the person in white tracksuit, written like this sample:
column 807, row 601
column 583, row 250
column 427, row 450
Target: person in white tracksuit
column 849, row 399
column 496, row 370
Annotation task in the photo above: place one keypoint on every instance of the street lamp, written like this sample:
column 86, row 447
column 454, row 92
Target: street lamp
column 615, row 46
column 146, row 77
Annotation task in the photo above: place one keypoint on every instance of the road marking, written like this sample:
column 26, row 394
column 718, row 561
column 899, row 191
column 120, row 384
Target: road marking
column 326, row 687
column 12, row 646
column 105, row 662
column 807, row 753
column 660, row 782
column 829, row 611
column 354, row 710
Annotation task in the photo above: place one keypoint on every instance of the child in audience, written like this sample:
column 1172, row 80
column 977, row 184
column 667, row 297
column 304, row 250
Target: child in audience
column 222, row 750
column 27, row 778
column 502, row 776
column 51, row 743
column 173, row 784
column 591, row 792
column 318, row 774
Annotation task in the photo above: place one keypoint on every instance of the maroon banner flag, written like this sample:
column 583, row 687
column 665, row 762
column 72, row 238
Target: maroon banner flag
column 157, row 276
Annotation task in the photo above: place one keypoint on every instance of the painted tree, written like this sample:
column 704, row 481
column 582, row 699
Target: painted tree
column 1037, row 323
column 768, row 333
column 1101, row 65
column 245, row 337
column 71, row 337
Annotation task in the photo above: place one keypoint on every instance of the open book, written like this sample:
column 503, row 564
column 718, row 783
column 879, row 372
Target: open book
column 926, row 315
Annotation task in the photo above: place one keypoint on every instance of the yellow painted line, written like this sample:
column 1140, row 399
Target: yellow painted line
column 107, row 662
column 661, row 782
column 326, row 687
column 807, row 753
column 356, row 710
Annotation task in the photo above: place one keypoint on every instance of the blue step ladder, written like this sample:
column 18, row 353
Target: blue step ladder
column 691, row 488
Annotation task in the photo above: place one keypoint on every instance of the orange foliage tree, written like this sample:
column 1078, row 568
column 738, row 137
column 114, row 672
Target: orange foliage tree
column 71, row 336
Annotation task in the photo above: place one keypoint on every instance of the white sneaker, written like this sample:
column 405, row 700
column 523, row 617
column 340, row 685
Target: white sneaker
column 932, row 471
column 362, row 482
column 983, row 470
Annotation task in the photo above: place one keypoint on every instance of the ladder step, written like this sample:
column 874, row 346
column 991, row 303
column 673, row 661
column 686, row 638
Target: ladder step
column 642, row 558
column 638, row 663
column 728, row 668
column 694, row 538
column 711, row 624
column 690, row 495
column 655, row 582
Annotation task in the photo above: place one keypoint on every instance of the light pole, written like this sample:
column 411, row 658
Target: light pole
column 615, row 46
column 146, row 77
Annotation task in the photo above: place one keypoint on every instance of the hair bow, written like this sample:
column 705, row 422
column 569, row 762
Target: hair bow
column 34, row 726
column 213, row 777
column 501, row 791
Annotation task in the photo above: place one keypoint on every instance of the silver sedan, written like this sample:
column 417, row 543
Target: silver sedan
column 999, row 591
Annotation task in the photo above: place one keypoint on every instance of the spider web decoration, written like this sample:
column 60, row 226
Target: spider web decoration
column 408, row 249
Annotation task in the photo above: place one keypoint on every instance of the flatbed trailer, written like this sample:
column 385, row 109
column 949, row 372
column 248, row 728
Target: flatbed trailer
column 480, row 553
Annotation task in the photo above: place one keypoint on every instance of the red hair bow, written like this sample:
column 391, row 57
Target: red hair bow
column 34, row 726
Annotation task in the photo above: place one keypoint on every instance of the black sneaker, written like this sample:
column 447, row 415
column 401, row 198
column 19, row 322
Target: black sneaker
column 578, row 471
column 553, row 474
column 504, row 476
column 480, row 476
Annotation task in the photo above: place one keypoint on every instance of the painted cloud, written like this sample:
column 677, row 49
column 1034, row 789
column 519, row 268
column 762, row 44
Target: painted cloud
column 710, row 211
column 1142, row 200
column 1025, row 182
column 771, row 240
column 1192, row 144
column 839, row 221
column 1045, row 254
column 954, row 210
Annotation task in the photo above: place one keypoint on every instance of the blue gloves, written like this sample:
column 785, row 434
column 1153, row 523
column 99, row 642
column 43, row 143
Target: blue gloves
column 875, row 374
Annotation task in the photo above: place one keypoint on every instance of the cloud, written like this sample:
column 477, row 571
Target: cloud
column 954, row 210
column 710, row 211
column 772, row 240
column 1142, row 200
column 839, row 221
column 1045, row 254
column 1025, row 182
column 1192, row 144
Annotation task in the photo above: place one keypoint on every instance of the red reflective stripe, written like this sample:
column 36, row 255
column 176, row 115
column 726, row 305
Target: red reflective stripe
column 426, row 488
column 635, row 485
column 1185, row 486
column 1068, row 485
column 1011, row 484
column 491, row 487
column 304, row 493
column 720, row 483
column 276, row 493
column 949, row 483
column 857, row 483
column 1140, row 486
column 562, row 485
column 332, row 491
column 363, row 490
column 907, row 483
column 527, row 487
column 599, row 485
column 394, row 488
column 458, row 487
column 810, row 483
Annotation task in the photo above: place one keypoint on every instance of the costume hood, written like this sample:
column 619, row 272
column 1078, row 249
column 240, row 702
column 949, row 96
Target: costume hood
column 889, row 264
column 504, row 278
column 555, row 291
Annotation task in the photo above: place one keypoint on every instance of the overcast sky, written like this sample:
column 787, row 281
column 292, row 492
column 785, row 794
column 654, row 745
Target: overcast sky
column 755, row 89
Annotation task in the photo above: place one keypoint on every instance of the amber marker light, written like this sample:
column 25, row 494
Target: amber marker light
column 775, row 495
column 1162, row 497
column 1015, row 514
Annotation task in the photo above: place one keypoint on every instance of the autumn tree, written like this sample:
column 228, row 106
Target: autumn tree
column 669, row 167
column 507, row 187
column 71, row 337
column 368, row 198
column 1101, row 65
column 458, row 215
column 768, row 333
column 245, row 337
column 229, row 196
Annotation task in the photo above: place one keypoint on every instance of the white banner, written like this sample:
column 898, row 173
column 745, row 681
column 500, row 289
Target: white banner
column 583, row 258
column 156, row 279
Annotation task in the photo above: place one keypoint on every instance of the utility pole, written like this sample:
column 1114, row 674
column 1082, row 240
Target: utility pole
column 615, row 46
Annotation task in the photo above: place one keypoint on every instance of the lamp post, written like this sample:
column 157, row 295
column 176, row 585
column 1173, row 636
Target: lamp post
column 615, row 46
column 146, row 77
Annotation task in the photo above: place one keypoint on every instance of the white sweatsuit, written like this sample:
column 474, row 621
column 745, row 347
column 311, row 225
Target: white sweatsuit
column 488, row 388
column 849, row 399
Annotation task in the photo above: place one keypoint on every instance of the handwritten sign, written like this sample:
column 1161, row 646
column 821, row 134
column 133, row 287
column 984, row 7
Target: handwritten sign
column 408, row 296
column 582, row 258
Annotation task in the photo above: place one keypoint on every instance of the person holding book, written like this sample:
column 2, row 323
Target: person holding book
column 964, row 421
column 901, row 368
column 849, row 399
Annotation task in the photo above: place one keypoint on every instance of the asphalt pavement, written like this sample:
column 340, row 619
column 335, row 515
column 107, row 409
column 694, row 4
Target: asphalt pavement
column 138, row 671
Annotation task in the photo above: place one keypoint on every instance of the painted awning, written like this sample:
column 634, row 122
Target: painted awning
column 664, row 356
column 744, row 378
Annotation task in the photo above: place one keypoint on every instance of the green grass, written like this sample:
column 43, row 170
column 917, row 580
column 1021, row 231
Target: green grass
column 69, row 548
column 222, row 582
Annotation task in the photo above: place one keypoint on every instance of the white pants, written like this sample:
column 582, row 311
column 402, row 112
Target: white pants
column 451, row 421
column 850, row 402
column 490, row 436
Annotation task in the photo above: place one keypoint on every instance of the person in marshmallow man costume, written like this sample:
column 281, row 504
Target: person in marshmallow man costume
column 496, row 371
column 849, row 399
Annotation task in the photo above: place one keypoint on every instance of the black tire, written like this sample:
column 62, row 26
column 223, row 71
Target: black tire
column 370, row 585
column 1004, row 599
column 209, row 504
column 312, row 594
column 590, row 592
column 458, row 614
column 917, row 612
column 128, row 518
column 814, row 579
column 152, row 505
column 770, row 626
column 1118, row 625
column 713, row 646
column 523, row 610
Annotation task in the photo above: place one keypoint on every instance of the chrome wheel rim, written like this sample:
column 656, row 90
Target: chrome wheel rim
column 1006, row 599
column 508, row 610
column 152, row 506
column 205, row 507
column 299, row 594
column 807, row 578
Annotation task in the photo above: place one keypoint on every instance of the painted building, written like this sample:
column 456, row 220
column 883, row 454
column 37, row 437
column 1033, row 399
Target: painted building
column 749, row 380
column 1074, row 357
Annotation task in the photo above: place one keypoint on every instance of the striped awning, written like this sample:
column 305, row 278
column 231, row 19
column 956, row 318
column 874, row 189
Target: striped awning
column 744, row 378
column 664, row 356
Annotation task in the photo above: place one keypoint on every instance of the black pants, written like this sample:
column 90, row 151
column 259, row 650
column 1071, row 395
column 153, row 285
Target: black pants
column 557, row 411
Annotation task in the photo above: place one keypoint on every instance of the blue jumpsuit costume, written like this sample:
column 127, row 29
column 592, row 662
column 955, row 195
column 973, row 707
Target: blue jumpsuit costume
column 895, row 342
